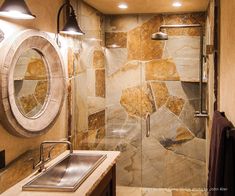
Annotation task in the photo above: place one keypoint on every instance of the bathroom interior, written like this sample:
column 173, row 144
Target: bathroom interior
column 131, row 89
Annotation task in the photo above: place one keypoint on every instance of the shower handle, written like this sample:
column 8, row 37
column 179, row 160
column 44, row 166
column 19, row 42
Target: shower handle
column 147, row 125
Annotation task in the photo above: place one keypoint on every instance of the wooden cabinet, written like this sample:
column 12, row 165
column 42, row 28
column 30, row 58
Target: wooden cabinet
column 107, row 186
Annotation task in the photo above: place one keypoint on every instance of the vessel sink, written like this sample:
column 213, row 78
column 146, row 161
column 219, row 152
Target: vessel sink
column 66, row 175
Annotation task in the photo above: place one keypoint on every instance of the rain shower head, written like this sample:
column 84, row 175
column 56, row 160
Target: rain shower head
column 159, row 36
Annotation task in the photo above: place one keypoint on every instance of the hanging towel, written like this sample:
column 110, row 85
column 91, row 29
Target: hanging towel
column 220, row 177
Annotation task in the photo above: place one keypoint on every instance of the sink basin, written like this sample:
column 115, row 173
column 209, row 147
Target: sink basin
column 66, row 175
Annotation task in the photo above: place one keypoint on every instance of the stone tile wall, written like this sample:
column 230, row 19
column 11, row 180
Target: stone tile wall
column 159, row 78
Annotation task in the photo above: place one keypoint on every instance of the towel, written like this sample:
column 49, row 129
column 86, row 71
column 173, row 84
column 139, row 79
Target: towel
column 220, row 160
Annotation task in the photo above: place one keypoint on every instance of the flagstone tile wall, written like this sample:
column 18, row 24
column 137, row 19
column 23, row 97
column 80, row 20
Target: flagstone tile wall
column 160, row 78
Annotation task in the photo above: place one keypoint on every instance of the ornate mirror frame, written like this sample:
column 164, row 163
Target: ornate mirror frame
column 11, row 117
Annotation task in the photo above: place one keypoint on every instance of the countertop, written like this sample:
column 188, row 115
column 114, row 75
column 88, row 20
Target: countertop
column 86, row 187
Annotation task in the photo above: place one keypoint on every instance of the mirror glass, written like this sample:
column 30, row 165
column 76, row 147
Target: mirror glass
column 31, row 83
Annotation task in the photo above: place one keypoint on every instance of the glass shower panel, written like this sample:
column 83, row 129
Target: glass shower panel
column 173, row 156
column 123, row 103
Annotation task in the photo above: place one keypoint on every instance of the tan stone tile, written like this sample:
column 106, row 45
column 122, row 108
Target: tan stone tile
column 175, row 105
column 161, row 69
column 130, row 191
column 183, row 134
column 74, row 65
column 96, row 121
column 178, row 168
column 119, row 39
column 193, row 18
column 138, row 101
column 160, row 93
column 134, row 44
column 98, row 59
column 36, row 69
column 27, row 103
column 100, row 83
column 151, row 49
column 41, row 91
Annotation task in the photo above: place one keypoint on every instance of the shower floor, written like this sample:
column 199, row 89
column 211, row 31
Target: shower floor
column 136, row 191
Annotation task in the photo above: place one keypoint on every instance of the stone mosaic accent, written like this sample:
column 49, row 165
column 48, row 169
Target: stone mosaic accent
column 100, row 83
column 98, row 59
column 138, row 101
column 41, row 91
column 134, row 44
column 175, row 105
column 36, row 70
column 195, row 18
column 96, row 120
column 28, row 103
column 150, row 49
column 74, row 65
column 161, row 69
column 117, row 38
column 160, row 92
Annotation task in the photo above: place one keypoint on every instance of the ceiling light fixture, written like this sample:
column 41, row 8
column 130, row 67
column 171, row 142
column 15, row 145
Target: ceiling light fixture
column 123, row 6
column 177, row 4
column 71, row 26
column 16, row 9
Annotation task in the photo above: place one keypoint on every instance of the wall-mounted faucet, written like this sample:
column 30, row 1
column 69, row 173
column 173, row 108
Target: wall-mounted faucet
column 42, row 160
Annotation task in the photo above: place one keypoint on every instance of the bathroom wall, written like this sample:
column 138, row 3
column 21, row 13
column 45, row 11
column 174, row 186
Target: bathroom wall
column 73, row 119
column 227, row 59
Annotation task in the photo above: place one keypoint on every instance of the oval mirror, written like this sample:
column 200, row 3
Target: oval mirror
column 31, row 83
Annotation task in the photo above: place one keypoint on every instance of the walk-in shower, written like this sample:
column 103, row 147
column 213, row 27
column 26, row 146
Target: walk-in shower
column 143, row 99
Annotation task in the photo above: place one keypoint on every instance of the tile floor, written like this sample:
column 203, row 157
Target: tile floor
column 136, row 191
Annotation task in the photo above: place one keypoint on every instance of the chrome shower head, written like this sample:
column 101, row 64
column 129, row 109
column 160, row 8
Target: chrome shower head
column 159, row 36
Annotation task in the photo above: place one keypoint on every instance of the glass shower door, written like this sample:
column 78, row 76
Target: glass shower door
column 173, row 154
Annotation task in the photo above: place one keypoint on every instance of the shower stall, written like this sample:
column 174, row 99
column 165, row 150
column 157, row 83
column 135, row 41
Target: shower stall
column 152, row 90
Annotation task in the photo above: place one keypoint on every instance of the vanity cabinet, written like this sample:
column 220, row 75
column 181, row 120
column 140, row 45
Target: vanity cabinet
column 107, row 186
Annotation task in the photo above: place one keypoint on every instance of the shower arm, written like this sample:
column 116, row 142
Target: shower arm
column 201, row 113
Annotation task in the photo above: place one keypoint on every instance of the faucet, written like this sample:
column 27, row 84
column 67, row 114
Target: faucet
column 42, row 161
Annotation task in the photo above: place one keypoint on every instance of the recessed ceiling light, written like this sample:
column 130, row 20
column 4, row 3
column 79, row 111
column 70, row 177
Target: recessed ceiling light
column 123, row 6
column 177, row 4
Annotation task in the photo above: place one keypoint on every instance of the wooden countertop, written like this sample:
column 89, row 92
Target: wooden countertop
column 86, row 187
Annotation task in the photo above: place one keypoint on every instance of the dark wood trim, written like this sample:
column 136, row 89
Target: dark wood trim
column 107, row 186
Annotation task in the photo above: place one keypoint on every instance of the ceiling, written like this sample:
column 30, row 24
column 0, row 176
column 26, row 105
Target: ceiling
column 148, row 6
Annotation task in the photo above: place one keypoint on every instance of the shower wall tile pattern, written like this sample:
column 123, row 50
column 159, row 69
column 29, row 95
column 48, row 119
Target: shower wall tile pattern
column 143, row 76
column 159, row 78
